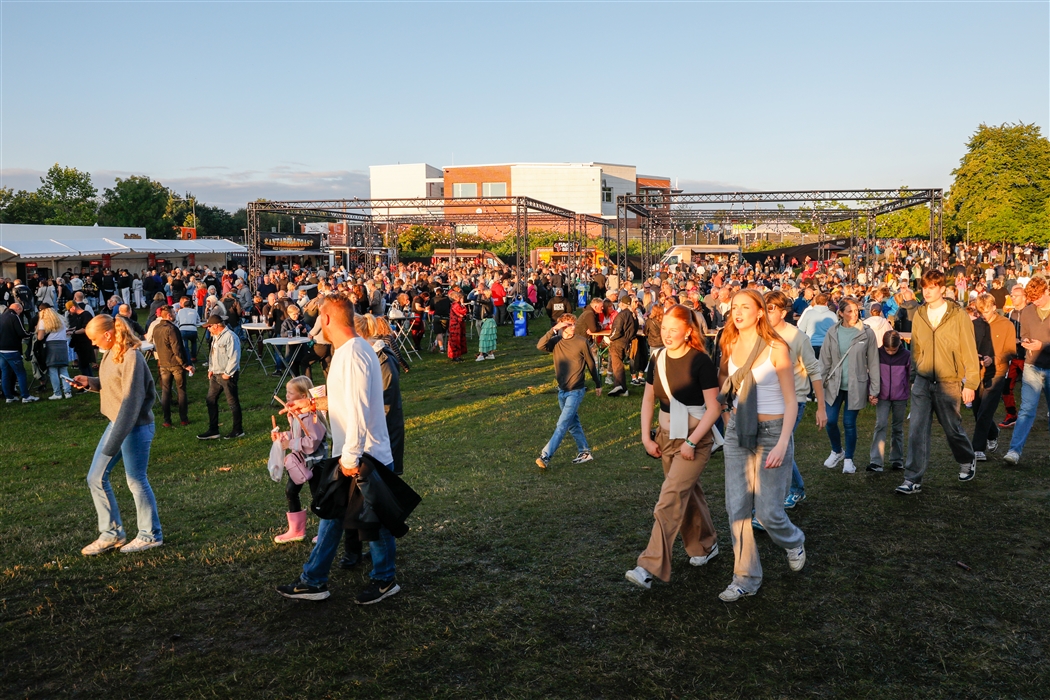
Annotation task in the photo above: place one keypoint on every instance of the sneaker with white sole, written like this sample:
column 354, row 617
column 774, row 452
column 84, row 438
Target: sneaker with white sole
column 874, row 467
column 616, row 391
column 834, row 459
column 1012, row 457
column 968, row 471
column 140, row 545
column 490, row 356
column 700, row 561
column 992, row 446
column 584, row 456
column 303, row 591
column 734, row 593
column 640, row 577
column 980, row 456
column 793, row 499
column 55, row 397
column 608, row 380
column 543, row 461
column 909, row 487
column 848, row 467
column 479, row 358
column 31, row 399
column 376, row 591
column 797, row 557
column 100, row 546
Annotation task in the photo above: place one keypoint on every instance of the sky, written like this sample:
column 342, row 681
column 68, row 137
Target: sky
column 286, row 100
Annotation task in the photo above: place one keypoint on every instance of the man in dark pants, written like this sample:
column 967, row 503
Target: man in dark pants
column 946, row 370
column 624, row 330
column 224, row 370
column 81, row 344
column 172, row 364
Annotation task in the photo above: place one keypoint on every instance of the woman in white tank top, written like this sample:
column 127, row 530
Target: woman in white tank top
column 756, row 480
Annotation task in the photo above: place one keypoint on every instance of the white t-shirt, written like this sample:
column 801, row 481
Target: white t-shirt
column 355, row 403
column 60, row 334
column 936, row 315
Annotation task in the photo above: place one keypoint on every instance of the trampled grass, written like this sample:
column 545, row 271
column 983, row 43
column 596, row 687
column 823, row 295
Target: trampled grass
column 513, row 578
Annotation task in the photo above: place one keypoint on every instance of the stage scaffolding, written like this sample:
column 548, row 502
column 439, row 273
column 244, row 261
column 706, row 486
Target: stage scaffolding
column 655, row 214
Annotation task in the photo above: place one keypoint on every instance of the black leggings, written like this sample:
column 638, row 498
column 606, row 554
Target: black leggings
column 292, row 492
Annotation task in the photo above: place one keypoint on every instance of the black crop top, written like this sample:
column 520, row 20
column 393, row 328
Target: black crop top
column 688, row 377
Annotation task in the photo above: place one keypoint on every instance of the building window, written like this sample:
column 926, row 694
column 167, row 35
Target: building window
column 465, row 190
column 494, row 189
column 606, row 194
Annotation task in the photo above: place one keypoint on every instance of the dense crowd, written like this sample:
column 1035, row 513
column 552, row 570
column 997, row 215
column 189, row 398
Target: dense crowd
column 727, row 353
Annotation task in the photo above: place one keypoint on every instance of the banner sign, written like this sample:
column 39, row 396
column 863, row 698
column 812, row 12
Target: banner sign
column 107, row 260
column 188, row 233
column 337, row 232
column 567, row 246
column 291, row 243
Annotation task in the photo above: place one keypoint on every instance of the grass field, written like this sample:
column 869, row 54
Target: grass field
column 512, row 577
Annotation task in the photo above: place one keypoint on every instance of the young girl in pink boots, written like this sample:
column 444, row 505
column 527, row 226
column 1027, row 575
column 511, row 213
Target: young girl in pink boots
column 305, row 438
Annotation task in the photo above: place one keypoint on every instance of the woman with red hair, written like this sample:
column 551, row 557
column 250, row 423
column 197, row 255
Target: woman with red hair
column 758, row 387
column 684, row 380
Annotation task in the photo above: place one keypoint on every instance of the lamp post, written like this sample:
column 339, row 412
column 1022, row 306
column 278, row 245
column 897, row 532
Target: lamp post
column 968, row 232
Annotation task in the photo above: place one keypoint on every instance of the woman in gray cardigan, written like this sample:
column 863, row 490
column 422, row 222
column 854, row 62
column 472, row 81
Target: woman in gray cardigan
column 127, row 395
column 849, row 363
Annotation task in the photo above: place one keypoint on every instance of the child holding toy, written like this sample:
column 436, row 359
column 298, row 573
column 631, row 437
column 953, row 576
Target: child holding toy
column 305, row 438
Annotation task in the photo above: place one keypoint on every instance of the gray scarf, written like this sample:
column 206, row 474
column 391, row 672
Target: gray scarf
column 742, row 385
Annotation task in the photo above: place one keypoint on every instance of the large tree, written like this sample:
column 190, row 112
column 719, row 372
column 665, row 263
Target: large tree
column 1002, row 185
column 23, row 207
column 71, row 196
column 138, row 201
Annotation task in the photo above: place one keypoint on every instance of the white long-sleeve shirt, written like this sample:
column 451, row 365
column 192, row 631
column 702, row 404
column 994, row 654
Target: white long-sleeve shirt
column 355, row 403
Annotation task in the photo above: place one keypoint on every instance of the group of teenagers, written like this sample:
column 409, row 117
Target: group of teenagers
column 750, row 396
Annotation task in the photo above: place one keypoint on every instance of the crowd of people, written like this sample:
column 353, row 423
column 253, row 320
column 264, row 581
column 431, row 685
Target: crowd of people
column 731, row 351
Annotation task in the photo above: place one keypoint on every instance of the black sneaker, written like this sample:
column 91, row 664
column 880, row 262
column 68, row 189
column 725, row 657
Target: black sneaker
column 210, row 435
column 898, row 466
column 1008, row 422
column 233, row 434
column 377, row 591
column 348, row 562
column 616, row 391
column 302, row 591
column 874, row 467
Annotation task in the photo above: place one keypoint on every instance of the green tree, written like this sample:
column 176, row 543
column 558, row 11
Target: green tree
column 138, row 201
column 23, row 207
column 71, row 196
column 1002, row 185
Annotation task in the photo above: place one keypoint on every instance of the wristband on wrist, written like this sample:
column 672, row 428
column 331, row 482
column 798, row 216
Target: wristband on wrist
column 690, row 443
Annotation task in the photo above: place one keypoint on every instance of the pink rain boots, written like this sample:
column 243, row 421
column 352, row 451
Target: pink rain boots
column 296, row 528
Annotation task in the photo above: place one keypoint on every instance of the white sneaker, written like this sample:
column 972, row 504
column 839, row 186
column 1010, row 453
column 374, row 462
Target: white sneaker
column 490, row 356
column 479, row 358
column 12, row 400
column 834, row 459
column 734, row 593
column 797, row 557
column 30, row 399
column 980, row 456
column 640, row 577
column 140, row 545
column 992, row 446
column 1012, row 457
column 608, row 380
column 100, row 546
column 848, row 467
column 55, row 397
column 700, row 561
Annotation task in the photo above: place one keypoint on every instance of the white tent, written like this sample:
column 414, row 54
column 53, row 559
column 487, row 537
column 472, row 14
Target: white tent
column 41, row 249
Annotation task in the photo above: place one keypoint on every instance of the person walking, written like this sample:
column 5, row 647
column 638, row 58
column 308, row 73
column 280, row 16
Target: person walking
column 944, row 359
column 354, row 401
column 12, row 336
column 1035, row 380
column 623, row 332
column 894, row 388
column 684, row 380
column 77, row 319
column 572, row 357
column 126, row 396
column 1016, row 369
column 806, row 369
column 186, row 320
column 172, row 364
column 51, row 330
column 1002, row 341
column 816, row 320
column 758, row 388
column 849, row 364
column 224, row 371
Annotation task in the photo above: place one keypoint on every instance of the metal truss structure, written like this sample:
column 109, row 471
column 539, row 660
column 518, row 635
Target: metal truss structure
column 383, row 217
column 657, row 214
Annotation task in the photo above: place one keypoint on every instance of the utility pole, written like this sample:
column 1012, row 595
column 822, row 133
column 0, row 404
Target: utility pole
column 968, row 232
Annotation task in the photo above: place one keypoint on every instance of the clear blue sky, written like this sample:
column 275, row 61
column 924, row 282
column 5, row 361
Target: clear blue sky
column 242, row 100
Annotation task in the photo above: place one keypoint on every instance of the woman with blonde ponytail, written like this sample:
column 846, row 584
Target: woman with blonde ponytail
column 127, row 394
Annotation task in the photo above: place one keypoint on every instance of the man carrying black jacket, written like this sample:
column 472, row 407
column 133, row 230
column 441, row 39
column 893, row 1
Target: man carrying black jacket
column 572, row 357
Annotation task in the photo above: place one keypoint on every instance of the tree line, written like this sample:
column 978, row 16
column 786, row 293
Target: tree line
column 1001, row 191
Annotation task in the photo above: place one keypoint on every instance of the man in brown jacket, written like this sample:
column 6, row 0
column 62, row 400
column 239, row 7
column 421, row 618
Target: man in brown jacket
column 1004, row 347
column 946, row 371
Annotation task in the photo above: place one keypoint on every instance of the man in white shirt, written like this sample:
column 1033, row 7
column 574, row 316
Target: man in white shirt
column 354, row 401
column 816, row 321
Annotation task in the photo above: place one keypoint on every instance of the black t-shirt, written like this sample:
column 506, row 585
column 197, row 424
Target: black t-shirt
column 688, row 376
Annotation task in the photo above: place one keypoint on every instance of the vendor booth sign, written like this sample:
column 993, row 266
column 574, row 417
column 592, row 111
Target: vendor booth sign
column 290, row 243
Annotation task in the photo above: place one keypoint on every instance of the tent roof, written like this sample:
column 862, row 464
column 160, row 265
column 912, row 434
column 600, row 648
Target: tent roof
column 152, row 245
column 97, row 246
column 40, row 249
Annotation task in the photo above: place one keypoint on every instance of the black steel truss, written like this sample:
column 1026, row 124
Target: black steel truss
column 660, row 211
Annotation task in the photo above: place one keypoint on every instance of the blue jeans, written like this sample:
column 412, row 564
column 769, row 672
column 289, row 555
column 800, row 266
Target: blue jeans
column 849, row 422
column 797, row 485
column 189, row 339
column 1034, row 382
column 56, row 374
column 318, row 566
column 568, row 422
column 11, row 367
column 135, row 453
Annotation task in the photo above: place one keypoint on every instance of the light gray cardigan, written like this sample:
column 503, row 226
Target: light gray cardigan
column 862, row 364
